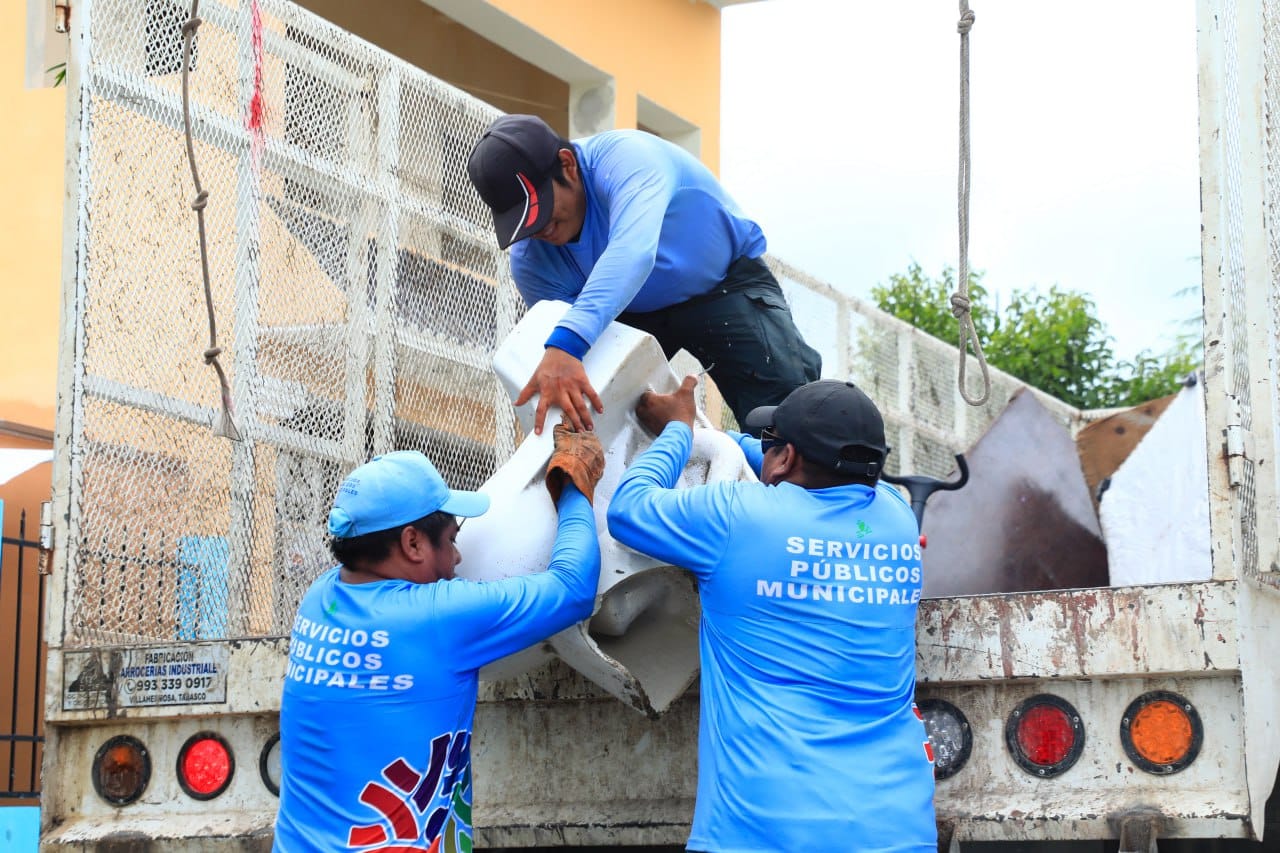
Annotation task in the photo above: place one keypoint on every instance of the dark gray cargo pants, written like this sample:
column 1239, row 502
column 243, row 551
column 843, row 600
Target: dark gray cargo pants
column 744, row 328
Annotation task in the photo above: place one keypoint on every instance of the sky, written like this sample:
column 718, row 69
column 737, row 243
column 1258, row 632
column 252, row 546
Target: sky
column 840, row 136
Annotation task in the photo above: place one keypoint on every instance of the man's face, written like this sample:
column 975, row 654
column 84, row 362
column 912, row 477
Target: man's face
column 445, row 556
column 771, row 466
column 773, row 448
column 570, row 208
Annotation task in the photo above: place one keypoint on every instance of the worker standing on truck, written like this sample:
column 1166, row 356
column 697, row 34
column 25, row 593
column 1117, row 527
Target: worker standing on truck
column 380, row 692
column 809, row 738
column 628, row 226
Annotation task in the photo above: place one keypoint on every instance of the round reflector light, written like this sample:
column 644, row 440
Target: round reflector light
column 1161, row 732
column 269, row 764
column 205, row 765
column 1044, row 735
column 950, row 735
column 121, row 770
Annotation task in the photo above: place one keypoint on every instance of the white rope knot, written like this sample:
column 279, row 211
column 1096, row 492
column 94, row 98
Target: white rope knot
column 960, row 299
column 225, row 425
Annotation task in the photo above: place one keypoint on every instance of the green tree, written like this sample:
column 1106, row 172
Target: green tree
column 926, row 303
column 1053, row 341
column 1150, row 375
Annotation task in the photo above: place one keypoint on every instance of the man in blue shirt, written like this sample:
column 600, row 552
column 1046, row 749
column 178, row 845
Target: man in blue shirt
column 628, row 226
column 809, row 738
column 380, row 691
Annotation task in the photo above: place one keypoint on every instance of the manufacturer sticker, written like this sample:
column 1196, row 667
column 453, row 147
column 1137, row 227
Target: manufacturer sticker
column 134, row 678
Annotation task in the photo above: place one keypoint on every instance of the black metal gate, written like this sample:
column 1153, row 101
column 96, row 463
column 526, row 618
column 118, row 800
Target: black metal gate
column 22, row 660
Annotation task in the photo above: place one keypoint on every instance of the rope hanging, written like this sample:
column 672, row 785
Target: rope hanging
column 960, row 299
column 225, row 425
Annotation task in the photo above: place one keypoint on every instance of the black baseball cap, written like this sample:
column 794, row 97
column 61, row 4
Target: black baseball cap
column 824, row 420
column 512, row 166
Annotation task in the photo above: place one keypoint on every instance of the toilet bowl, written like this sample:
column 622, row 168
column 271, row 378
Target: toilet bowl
column 641, row 642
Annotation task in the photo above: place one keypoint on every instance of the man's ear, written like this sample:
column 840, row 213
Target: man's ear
column 790, row 460
column 787, row 464
column 569, row 161
column 415, row 544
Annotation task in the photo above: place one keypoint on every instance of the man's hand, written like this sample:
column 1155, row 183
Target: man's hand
column 560, row 380
column 655, row 411
column 577, row 457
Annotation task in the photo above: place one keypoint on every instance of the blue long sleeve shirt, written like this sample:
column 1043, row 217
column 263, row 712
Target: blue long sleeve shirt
column 809, row 738
column 380, row 694
column 659, row 229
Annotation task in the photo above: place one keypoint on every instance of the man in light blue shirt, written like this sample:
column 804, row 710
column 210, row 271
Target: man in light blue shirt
column 809, row 738
column 380, row 691
column 628, row 226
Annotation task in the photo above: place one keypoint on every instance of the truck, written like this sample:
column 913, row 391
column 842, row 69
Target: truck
column 361, row 300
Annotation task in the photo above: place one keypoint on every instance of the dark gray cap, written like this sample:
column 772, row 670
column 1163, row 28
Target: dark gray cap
column 512, row 168
column 824, row 420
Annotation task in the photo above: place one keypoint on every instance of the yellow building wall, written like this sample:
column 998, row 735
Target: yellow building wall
column 417, row 33
column 666, row 50
column 31, row 163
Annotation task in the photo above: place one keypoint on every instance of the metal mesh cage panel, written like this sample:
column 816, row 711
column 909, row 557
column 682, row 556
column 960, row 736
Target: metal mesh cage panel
column 816, row 309
column 356, row 286
column 875, row 355
column 359, row 296
column 1234, row 280
column 1271, row 105
column 933, row 386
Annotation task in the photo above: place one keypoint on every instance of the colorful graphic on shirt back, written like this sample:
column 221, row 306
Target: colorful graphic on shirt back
column 429, row 811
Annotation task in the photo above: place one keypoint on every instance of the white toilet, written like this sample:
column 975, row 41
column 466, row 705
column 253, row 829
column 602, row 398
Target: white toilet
column 641, row 644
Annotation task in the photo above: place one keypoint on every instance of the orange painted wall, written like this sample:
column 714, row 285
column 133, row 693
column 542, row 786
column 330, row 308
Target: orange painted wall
column 666, row 50
column 31, row 164
column 20, row 600
column 417, row 33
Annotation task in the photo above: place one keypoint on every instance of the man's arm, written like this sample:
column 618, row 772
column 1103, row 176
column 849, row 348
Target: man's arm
column 683, row 527
column 561, row 380
column 750, row 449
column 491, row 619
column 636, row 191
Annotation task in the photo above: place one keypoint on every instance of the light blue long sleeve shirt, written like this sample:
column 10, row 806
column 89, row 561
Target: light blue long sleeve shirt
column 809, row 738
column 380, row 693
column 659, row 230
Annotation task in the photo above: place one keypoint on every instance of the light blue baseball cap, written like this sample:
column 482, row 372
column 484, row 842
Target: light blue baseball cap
column 393, row 490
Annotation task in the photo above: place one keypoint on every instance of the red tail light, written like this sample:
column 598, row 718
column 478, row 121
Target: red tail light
column 205, row 765
column 1044, row 735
